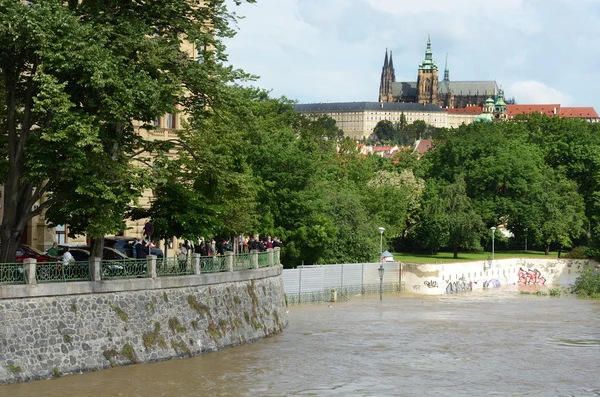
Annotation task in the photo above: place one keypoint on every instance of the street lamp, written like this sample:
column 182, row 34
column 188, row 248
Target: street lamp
column 525, row 239
column 381, row 270
column 493, row 229
column 381, row 230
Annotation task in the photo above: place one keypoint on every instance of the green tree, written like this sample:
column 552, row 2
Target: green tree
column 385, row 131
column 75, row 77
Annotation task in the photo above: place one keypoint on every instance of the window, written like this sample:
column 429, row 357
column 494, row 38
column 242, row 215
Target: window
column 61, row 234
column 156, row 122
column 171, row 120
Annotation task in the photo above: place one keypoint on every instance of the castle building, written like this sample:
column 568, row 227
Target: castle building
column 428, row 89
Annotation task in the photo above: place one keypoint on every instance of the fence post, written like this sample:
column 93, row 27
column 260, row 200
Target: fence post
column 271, row 257
column 29, row 265
column 151, row 266
column 277, row 252
column 254, row 258
column 229, row 260
column 196, row 264
column 95, row 272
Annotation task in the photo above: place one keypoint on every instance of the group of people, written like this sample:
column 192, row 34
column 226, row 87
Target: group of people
column 140, row 248
column 247, row 244
column 213, row 247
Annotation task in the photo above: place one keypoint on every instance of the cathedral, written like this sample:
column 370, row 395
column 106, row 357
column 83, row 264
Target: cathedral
column 429, row 89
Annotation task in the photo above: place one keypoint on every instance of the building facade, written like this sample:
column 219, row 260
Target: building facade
column 428, row 89
column 358, row 119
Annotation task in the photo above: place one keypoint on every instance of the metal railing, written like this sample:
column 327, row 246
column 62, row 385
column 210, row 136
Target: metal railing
column 343, row 293
column 242, row 262
column 58, row 271
column 263, row 259
column 52, row 272
column 174, row 266
column 12, row 273
column 213, row 264
column 127, row 268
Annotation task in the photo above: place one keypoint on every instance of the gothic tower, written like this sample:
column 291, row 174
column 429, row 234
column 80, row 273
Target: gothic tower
column 388, row 76
column 427, row 81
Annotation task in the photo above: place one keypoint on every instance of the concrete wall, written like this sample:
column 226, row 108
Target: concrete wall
column 434, row 279
column 84, row 326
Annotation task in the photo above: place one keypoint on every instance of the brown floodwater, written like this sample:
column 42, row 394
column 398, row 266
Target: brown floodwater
column 483, row 343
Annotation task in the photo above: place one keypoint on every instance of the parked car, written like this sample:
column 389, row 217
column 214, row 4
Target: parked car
column 125, row 245
column 112, row 264
column 28, row 252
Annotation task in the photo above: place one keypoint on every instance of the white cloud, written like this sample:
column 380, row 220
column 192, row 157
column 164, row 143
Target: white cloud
column 535, row 92
column 460, row 7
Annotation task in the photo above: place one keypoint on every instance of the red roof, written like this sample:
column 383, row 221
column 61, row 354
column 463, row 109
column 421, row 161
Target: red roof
column 424, row 145
column 550, row 109
column 467, row 110
column 579, row 112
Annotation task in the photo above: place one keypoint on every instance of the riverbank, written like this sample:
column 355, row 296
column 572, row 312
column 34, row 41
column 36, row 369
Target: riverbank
column 139, row 321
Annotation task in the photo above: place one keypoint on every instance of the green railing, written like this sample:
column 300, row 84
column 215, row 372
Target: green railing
column 12, row 273
column 51, row 272
column 213, row 264
column 173, row 266
column 128, row 268
column 242, row 262
column 263, row 259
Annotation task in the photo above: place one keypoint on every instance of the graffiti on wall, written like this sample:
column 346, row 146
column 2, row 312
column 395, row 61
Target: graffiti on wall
column 431, row 284
column 491, row 284
column 417, row 287
column 531, row 276
column 459, row 286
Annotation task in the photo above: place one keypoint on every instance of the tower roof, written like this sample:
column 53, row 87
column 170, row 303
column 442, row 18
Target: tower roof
column 428, row 62
column 385, row 61
column 446, row 71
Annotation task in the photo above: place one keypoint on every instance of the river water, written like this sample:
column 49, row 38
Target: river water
column 483, row 343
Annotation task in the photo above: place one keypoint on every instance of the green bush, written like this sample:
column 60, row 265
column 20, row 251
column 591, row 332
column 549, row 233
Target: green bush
column 580, row 252
column 588, row 283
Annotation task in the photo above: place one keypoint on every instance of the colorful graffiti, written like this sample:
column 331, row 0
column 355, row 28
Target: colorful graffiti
column 531, row 276
column 491, row 284
column 459, row 286
column 431, row 284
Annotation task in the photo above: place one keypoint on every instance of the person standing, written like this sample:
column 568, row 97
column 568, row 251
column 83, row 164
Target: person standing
column 67, row 257
column 53, row 251
column 135, row 248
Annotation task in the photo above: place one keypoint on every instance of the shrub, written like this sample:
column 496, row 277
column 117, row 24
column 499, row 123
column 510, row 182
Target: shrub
column 588, row 283
column 579, row 252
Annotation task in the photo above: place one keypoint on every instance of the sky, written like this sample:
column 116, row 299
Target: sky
column 539, row 51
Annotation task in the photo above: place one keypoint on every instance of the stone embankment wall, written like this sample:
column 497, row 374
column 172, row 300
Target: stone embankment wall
column 433, row 279
column 147, row 320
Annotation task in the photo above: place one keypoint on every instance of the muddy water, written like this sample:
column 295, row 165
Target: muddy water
column 494, row 342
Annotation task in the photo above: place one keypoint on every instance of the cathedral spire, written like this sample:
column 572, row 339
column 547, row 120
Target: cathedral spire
column 446, row 71
column 428, row 63
column 385, row 62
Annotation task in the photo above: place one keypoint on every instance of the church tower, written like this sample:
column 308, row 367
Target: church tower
column 388, row 76
column 427, row 81
column 500, row 107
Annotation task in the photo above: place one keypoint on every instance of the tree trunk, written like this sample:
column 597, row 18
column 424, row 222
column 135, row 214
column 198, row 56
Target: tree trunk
column 547, row 250
column 97, row 248
column 455, row 250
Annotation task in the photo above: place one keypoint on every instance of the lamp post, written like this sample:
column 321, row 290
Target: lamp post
column 381, row 230
column 493, row 229
column 381, row 270
column 525, row 239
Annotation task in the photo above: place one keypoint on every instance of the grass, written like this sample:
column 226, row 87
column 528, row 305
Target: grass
column 448, row 257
